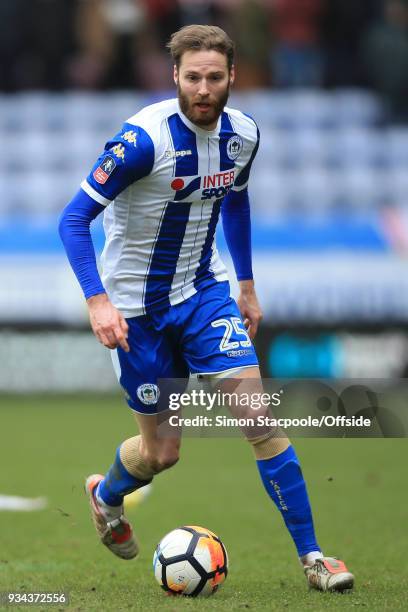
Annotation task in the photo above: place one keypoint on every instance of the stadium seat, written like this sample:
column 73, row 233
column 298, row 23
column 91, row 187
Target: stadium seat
column 271, row 193
column 319, row 151
column 398, row 181
column 359, row 146
column 396, row 146
column 365, row 188
column 357, row 107
column 314, row 109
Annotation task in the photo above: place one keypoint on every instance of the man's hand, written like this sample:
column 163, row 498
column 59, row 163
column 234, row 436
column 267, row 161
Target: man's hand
column 249, row 307
column 108, row 324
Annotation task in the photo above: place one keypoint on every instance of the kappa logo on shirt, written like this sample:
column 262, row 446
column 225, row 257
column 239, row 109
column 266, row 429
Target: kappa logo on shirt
column 170, row 154
column 119, row 151
column 104, row 170
column 130, row 137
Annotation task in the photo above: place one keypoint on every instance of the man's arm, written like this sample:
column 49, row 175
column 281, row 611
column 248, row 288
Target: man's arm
column 236, row 220
column 128, row 157
column 108, row 325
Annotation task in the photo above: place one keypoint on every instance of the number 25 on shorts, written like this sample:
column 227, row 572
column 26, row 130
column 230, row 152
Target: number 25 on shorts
column 234, row 324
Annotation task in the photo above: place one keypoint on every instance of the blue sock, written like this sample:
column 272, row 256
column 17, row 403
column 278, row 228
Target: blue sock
column 118, row 483
column 283, row 480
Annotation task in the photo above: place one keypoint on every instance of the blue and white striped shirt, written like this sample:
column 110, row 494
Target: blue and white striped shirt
column 164, row 179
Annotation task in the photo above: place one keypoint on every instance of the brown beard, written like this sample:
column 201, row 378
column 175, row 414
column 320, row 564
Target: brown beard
column 216, row 108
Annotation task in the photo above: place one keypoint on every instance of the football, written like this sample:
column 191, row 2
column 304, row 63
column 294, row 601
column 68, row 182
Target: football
column 190, row 561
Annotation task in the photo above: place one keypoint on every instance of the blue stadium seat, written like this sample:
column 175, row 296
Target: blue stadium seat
column 396, row 146
column 357, row 107
column 319, row 151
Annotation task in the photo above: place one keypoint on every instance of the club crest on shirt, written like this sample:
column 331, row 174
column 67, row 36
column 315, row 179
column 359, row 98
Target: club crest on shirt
column 234, row 146
column 148, row 393
column 104, row 170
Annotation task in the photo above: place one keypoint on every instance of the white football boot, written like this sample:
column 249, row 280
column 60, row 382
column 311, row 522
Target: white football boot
column 329, row 574
column 116, row 534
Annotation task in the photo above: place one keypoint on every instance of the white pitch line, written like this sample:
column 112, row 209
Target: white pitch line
column 22, row 504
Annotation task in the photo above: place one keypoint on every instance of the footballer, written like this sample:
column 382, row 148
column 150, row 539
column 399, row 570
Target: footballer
column 163, row 303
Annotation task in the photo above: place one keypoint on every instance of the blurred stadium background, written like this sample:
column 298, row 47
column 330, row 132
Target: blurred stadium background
column 327, row 82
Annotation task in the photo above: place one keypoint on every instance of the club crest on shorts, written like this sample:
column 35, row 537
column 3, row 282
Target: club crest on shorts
column 234, row 146
column 148, row 393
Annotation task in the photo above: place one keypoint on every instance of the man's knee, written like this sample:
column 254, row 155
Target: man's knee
column 161, row 459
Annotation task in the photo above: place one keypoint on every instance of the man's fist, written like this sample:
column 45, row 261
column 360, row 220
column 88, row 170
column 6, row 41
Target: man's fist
column 107, row 323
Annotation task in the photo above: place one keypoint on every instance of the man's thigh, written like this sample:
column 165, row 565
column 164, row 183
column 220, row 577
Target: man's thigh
column 158, row 437
column 214, row 337
column 152, row 356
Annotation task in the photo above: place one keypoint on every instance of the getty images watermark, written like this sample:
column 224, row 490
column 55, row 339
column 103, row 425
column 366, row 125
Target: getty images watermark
column 209, row 400
column 303, row 408
column 254, row 402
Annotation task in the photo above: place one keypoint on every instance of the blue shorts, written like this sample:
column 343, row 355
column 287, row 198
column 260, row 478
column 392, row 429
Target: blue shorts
column 203, row 335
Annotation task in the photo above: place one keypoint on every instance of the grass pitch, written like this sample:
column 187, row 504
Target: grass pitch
column 49, row 444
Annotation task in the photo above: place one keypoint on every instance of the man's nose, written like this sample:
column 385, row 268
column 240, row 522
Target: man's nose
column 203, row 89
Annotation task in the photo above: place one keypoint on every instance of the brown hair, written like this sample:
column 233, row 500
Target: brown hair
column 198, row 38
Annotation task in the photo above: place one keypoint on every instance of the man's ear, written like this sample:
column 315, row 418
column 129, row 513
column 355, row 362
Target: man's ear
column 232, row 75
column 175, row 74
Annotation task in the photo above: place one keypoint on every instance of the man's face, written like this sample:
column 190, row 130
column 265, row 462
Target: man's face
column 203, row 83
